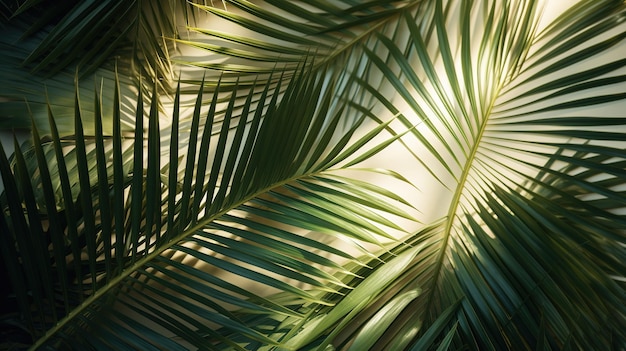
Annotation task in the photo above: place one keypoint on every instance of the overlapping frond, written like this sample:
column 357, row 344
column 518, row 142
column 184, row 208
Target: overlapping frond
column 520, row 128
column 246, row 224
column 131, row 237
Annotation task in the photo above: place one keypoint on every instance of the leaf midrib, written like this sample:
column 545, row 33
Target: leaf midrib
column 456, row 199
column 361, row 36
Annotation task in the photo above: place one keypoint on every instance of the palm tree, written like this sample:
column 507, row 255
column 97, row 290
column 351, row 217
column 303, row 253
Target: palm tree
column 245, row 207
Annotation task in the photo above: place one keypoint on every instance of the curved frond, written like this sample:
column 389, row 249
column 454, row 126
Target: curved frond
column 519, row 125
column 257, row 215
column 285, row 33
column 247, row 210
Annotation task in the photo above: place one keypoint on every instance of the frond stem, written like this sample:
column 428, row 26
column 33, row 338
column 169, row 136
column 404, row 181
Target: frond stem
column 360, row 37
column 456, row 199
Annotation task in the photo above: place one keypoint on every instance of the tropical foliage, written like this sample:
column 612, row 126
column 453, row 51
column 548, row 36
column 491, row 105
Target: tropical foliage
column 313, row 175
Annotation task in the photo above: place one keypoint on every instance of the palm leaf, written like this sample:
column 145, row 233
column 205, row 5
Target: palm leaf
column 261, row 232
column 499, row 115
column 218, row 233
column 286, row 33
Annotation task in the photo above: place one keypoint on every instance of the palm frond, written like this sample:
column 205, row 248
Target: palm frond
column 227, row 211
column 284, row 34
column 247, row 221
column 498, row 100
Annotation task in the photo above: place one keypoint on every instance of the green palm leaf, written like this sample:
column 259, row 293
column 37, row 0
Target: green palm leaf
column 504, row 145
column 140, row 253
column 261, row 218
